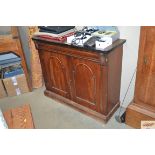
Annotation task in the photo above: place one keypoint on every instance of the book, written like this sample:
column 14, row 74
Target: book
column 55, row 35
column 53, row 38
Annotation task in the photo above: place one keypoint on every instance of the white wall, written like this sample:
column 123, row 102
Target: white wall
column 130, row 56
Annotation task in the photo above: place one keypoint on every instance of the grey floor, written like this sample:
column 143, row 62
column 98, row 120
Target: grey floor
column 49, row 114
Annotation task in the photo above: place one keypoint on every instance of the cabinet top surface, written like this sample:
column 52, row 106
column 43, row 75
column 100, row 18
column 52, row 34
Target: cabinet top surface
column 108, row 49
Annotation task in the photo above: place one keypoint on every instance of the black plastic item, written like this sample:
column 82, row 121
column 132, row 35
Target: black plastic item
column 91, row 30
column 55, row 29
column 77, row 34
column 91, row 41
column 121, row 119
column 81, row 33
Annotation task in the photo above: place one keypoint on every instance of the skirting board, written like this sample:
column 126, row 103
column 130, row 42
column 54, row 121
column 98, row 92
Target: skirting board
column 136, row 113
column 81, row 108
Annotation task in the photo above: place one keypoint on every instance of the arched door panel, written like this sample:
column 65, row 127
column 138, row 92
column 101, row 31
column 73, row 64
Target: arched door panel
column 56, row 70
column 86, row 83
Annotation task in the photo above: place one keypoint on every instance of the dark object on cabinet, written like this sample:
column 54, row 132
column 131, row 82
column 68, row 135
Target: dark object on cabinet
column 55, row 29
column 142, row 108
column 87, row 80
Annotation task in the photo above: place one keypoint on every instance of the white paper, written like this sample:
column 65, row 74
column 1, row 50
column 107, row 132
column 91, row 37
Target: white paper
column 14, row 80
column 18, row 92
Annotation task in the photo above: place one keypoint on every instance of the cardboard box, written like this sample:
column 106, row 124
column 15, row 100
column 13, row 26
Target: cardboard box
column 16, row 85
column 2, row 90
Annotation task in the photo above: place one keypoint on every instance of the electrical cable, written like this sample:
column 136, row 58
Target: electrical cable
column 81, row 35
column 126, row 92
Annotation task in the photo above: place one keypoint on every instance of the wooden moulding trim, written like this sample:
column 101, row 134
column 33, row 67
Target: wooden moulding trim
column 81, row 108
column 110, row 48
column 70, row 52
column 141, row 110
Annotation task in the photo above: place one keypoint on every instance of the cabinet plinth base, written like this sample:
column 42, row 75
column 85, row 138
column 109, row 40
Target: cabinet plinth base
column 136, row 113
column 81, row 108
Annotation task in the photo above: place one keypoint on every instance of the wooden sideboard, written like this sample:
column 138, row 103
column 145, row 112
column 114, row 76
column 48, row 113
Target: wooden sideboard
column 142, row 108
column 86, row 79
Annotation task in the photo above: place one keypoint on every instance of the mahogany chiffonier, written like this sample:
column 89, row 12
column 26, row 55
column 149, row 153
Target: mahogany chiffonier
column 86, row 79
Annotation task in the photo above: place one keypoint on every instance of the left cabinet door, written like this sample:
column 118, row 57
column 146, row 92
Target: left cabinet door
column 56, row 72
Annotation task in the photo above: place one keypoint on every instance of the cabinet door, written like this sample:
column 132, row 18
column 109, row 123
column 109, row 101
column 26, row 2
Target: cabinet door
column 145, row 80
column 56, row 73
column 86, row 83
